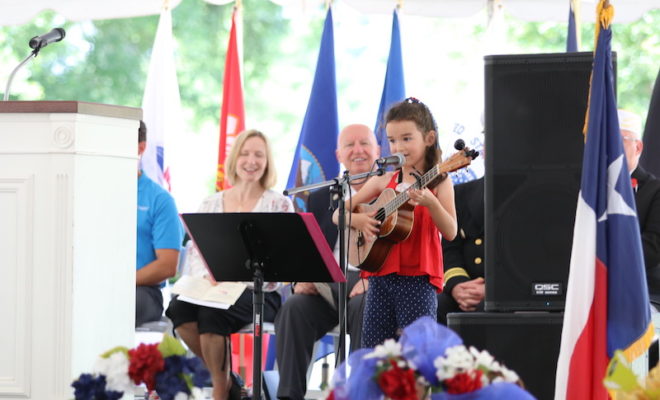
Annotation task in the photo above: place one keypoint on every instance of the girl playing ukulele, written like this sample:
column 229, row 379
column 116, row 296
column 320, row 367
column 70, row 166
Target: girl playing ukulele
column 405, row 288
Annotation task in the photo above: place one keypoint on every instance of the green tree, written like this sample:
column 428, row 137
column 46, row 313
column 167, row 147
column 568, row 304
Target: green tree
column 637, row 46
column 106, row 61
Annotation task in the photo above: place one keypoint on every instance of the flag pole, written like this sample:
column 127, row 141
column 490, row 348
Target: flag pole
column 604, row 17
column 577, row 13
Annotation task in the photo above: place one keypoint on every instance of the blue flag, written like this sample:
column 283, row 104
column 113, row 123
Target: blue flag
column 394, row 89
column 314, row 159
column 571, row 39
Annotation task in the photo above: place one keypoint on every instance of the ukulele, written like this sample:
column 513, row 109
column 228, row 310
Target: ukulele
column 396, row 214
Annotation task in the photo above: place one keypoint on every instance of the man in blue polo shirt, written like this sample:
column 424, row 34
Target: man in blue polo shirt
column 159, row 236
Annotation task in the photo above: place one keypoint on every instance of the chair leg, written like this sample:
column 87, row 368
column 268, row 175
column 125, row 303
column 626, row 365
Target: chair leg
column 325, row 372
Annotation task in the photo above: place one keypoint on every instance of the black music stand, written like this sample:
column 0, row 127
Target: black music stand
column 258, row 247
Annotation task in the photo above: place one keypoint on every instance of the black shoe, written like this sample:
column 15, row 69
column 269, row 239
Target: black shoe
column 236, row 390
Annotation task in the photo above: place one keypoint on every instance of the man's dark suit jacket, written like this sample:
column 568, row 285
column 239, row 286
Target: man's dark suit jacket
column 464, row 256
column 318, row 203
column 647, row 200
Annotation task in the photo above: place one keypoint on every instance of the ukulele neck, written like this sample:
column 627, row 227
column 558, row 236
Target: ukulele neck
column 403, row 197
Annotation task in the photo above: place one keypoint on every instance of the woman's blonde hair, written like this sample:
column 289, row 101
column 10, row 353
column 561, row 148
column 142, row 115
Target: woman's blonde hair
column 269, row 177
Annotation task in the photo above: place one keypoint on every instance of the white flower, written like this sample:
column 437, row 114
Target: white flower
column 390, row 348
column 197, row 393
column 482, row 359
column 460, row 358
column 509, row 376
column 115, row 369
column 496, row 367
column 181, row 396
column 457, row 359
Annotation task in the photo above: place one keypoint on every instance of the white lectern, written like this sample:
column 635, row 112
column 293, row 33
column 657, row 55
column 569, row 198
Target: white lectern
column 68, row 180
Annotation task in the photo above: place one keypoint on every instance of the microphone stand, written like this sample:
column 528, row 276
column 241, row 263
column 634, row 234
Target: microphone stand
column 36, row 47
column 340, row 186
column 11, row 76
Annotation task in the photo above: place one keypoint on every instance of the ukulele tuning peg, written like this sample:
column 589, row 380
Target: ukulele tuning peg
column 474, row 154
column 459, row 144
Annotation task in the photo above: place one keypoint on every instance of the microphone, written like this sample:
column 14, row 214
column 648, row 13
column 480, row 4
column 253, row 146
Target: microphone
column 396, row 160
column 55, row 35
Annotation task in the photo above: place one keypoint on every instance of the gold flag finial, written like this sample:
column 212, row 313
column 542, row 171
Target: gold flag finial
column 166, row 5
column 604, row 17
column 399, row 4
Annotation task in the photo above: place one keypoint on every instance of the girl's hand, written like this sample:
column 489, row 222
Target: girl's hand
column 422, row 197
column 367, row 224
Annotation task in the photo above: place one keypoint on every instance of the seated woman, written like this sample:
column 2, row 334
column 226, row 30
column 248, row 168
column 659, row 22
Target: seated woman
column 251, row 171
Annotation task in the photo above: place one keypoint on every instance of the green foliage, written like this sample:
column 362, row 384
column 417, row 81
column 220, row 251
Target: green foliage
column 113, row 350
column 637, row 46
column 169, row 346
column 106, row 61
column 101, row 61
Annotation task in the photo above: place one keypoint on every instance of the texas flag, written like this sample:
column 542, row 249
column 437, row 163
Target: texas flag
column 607, row 305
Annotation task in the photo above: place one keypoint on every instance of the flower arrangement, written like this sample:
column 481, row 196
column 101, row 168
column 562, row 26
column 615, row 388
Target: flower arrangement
column 162, row 367
column 428, row 361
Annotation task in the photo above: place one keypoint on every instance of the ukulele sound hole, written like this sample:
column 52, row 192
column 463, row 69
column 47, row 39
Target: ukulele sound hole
column 380, row 215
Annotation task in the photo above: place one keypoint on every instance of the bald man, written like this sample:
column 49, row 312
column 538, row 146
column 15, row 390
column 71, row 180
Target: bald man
column 647, row 199
column 307, row 316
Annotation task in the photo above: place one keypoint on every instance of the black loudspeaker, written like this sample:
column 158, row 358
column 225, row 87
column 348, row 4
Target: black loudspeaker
column 535, row 111
column 526, row 342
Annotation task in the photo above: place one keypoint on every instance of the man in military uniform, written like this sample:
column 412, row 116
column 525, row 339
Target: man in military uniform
column 647, row 199
column 464, row 288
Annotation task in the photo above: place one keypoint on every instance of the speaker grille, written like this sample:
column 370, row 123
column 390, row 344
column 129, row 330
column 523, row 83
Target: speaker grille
column 535, row 110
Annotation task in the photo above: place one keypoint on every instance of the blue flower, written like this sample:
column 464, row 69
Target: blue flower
column 200, row 375
column 170, row 381
column 88, row 387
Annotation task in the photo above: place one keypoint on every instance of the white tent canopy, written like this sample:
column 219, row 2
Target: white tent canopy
column 15, row 12
column 530, row 10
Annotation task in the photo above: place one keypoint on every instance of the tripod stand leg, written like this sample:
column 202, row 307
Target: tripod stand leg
column 257, row 321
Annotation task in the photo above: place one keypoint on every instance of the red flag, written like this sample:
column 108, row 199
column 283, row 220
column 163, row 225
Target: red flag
column 232, row 116
column 242, row 354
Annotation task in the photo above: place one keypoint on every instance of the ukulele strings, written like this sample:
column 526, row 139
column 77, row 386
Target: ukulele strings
column 403, row 197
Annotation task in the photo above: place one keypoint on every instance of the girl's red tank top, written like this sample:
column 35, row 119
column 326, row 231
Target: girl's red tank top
column 420, row 253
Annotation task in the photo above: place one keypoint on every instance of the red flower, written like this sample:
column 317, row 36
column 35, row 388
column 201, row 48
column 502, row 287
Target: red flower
column 634, row 183
column 464, row 382
column 331, row 396
column 398, row 383
column 145, row 362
